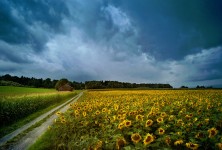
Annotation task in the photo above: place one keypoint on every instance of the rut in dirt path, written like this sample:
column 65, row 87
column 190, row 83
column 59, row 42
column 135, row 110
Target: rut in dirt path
column 32, row 136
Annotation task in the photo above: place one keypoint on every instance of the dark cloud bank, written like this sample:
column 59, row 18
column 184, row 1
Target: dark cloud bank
column 177, row 42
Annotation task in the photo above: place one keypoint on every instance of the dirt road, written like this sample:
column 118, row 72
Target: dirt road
column 32, row 136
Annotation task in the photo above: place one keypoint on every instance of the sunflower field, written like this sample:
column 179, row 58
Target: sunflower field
column 140, row 119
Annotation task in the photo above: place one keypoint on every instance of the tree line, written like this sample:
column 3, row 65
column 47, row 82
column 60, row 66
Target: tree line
column 117, row 84
column 48, row 83
column 33, row 82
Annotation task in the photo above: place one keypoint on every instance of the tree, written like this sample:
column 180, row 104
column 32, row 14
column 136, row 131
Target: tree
column 61, row 83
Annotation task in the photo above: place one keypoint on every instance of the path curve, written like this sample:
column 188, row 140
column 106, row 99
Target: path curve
column 32, row 136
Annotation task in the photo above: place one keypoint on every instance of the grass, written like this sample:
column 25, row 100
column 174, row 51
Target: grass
column 15, row 91
column 21, row 98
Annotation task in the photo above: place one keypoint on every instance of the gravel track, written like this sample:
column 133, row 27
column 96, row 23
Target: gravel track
column 33, row 135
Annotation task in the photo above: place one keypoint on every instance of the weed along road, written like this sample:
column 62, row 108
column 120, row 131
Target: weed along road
column 32, row 136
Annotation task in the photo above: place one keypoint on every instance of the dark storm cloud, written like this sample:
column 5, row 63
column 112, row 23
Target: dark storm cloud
column 30, row 22
column 172, row 29
column 134, row 41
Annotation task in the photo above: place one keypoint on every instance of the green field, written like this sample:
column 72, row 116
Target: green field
column 19, row 105
column 14, row 91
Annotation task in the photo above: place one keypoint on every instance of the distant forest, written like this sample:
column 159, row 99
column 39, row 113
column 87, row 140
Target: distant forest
column 49, row 83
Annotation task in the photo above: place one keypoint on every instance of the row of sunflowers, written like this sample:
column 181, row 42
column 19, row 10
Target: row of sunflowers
column 141, row 119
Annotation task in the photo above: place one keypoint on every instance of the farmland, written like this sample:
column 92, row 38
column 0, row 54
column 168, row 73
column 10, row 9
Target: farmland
column 19, row 105
column 140, row 119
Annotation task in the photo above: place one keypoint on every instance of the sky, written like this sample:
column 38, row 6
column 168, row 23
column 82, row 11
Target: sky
column 138, row 41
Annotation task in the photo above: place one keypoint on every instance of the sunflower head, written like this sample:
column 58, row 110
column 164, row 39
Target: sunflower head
column 161, row 131
column 127, row 123
column 139, row 117
column 149, row 122
column 178, row 142
column 136, row 137
column 192, row 146
column 167, row 140
column 159, row 120
column 212, row 132
column 121, row 142
column 148, row 139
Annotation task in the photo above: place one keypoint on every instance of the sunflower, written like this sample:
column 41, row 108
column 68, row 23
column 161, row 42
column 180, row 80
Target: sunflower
column 104, row 110
column 219, row 145
column 199, row 135
column 163, row 114
column 161, row 131
column 192, row 145
column 167, row 140
column 148, row 139
column 149, row 122
column 178, row 142
column 127, row 123
column 84, row 114
column 58, row 113
column 139, row 117
column 97, row 112
column 159, row 120
column 98, row 145
column 171, row 117
column 121, row 142
column 121, row 125
column 212, row 132
column 135, row 137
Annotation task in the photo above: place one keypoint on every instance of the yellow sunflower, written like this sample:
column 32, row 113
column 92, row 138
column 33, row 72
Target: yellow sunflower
column 121, row 142
column 161, row 131
column 136, row 137
column 148, row 139
column 212, row 132
column 139, row 117
column 149, row 122
column 192, row 146
column 159, row 120
column 178, row 142
column 127, row 123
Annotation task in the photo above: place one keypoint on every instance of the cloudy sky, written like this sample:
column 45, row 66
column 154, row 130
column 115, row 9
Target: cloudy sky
column 151, row 41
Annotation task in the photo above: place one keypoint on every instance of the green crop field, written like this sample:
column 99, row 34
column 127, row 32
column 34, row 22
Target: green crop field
column 21, row 103
column 14, row 91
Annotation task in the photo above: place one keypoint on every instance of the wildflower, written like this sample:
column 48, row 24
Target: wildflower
column 135, row 137
column 148, row 139
column 149, row 122
column 167, row 140
column 163, row 114
column 161, row 131
column 97, row 112
column 178, row 142
column 121, row 125
column 98, row 145
column 84, row 114
column 127, row 123
column 121, row 142
column 219, row 145
column 212, row 132
column 159, row 120
column 58, row 113
column 139, row 117
column 104, row 110
column 192, row 145
column 199, row 135
column 171, row 117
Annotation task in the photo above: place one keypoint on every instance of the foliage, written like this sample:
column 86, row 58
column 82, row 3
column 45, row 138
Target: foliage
column 9, row 83
column 155, row 119
column 116, row 84
column 13, row 108
column 61, row 83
